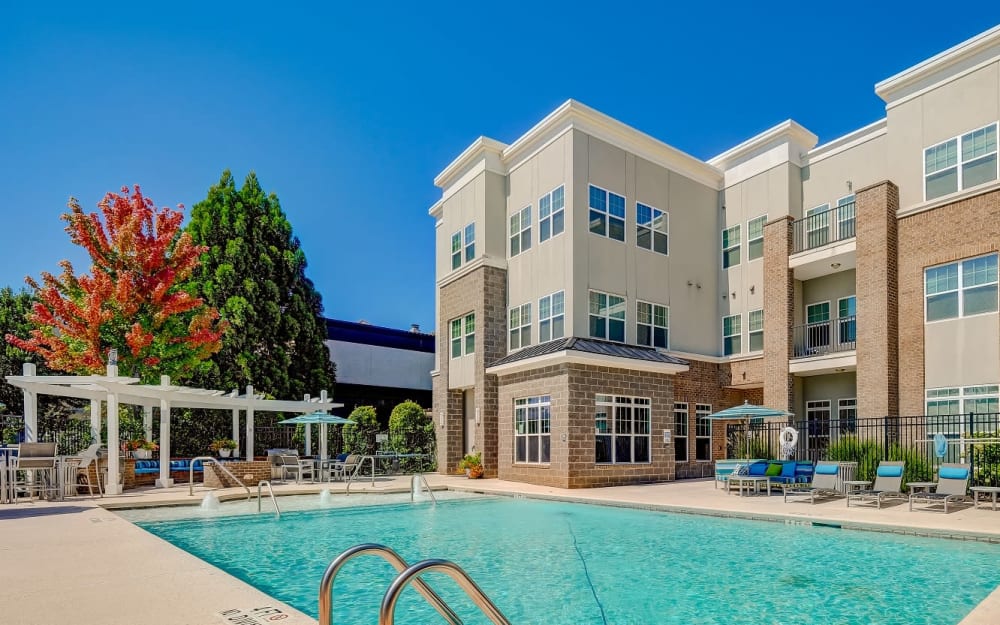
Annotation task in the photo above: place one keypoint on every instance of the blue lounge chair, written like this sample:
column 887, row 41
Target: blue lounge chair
column 824, row 483
column 888, row 485
column 952, row 485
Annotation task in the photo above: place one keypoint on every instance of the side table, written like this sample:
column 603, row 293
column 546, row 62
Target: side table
column 991, row 490
column 854, row 486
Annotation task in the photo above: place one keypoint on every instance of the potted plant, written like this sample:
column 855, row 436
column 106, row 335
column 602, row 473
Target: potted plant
column 472, row 464
column 223, row 446
column 141, row 448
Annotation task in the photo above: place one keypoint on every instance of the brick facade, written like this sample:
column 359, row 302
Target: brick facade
column 779, row 290
column 876, row 292
column 257, row 470
column 969, row 227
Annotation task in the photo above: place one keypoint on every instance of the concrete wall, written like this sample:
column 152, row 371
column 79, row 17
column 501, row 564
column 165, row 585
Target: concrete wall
column 381, row 366
column 827, row 179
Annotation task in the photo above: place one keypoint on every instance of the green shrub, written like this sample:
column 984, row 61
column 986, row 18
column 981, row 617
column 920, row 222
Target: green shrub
column 867, row 453
column 359, row 437
column 411, row 431
column 917, row 468
column 985, row 457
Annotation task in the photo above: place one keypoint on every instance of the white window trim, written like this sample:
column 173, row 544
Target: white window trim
column 452, row 253
column 749, row 331
column 612, row 422
column 687, row 430
column 463, row 337
column 607, row 317
column 552, row 317
column 829, row 311
column 760, row 238
column 959, row 162
column 722, row 243
column 652, row 323
column 552, row 213
column 961, row 289
column 520, row 327
column 726, row 336
column 466, row 243
column 607, row 214
column 546, row 402
column 520, row 233
column 701, row 411
column 652, row 232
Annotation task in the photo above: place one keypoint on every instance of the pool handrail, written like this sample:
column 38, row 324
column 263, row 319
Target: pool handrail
column 419, row 477
column 387, row 612
column 357, row 470
column 224, row 470
column 277, row 510
column 393, row 558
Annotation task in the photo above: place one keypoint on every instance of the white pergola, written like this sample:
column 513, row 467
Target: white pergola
column 115, row 390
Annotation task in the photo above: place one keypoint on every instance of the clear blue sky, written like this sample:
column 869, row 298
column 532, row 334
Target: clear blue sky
column 347, row 110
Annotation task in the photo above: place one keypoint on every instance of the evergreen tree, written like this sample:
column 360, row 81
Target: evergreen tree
column 254, row 274
column 14, row 311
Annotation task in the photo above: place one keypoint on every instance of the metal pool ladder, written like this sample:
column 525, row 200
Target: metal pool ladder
column 407, row 575
column 224, row 470
column 277, row 510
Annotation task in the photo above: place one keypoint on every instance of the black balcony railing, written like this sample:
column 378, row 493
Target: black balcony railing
column 825, row 337
column 818, row 229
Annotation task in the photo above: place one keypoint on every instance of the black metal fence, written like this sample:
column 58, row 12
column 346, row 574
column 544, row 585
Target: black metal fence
column 70, row 435
column 972, row 439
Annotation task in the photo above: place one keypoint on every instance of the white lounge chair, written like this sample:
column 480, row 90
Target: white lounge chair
column 824, row 483
column 952, row 486
column 888, row 485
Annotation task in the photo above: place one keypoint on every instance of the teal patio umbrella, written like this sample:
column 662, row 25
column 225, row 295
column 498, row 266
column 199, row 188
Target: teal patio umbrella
column 323, row 418
column 748, row 411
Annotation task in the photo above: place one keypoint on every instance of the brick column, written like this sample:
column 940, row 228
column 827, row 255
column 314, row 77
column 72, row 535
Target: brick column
column 877, row 298
column 779, row 288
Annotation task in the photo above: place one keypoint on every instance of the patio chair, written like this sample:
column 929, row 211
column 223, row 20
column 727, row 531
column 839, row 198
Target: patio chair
column 89, row 457
column 888, row 485
column 824, row 483
column 38, row 460
column 350, row 466
column 952, row 484
column 293, row 465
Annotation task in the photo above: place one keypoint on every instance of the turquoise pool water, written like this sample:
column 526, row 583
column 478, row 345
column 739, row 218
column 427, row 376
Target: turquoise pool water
column 560, row 563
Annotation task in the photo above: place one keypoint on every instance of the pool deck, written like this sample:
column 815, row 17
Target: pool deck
column 77, row 562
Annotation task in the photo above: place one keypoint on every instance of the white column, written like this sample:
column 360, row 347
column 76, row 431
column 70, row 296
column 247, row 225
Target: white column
column 95, row 420
column 249, row 452
column 309, row 433
column 164, row 480
column 30, row 408
column 322, row 432
column 147, row 422
column 111, row 486
column 236, row 429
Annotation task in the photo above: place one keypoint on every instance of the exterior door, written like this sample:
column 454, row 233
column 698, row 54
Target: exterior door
column 469, row 408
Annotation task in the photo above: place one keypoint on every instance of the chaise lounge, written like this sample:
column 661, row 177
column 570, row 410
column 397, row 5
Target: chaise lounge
column 824, row 483
column 952, row 484
column 888, row 485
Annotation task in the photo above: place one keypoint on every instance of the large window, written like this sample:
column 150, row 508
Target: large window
column 607, row 214
column 520, row 231
column 847, row 416
column 651, row 228
column 551, row 317
column 469, row 245
column 961, row 289
column 846, row 213
column 731, row 335
column 818, row 327
column 463, row 335
column 680, row 432
column 818, row 423
column 532, row 430
column 755, row 330
column 961, row 162
column 607, row 316
column 652, row 325
column 520, row 326
column 731, row 247
column 818, row 226
column 948, row 412
column 703, row 432
column 847, row 321
column 755, row 237
column 622, row 429
column 551, row 214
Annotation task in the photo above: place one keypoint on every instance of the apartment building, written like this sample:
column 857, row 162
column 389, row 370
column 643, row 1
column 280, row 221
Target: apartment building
column 599, row 292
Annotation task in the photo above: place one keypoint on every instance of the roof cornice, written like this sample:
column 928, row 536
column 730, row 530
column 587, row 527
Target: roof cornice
column 850, row 140
column 480, row 150
column 788, row 131
column 941, row 66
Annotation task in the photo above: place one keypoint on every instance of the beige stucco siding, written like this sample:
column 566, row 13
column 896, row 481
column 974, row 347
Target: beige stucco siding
column 831, row 387
column 830, row 178
column 826, row 289
column 962, row 352
column 955, row 107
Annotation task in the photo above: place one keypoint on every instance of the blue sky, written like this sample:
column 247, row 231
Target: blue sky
column 348, row 110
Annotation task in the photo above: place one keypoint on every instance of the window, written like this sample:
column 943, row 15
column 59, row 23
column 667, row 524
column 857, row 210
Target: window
column 731, row 335
column 456, row 250
column 470, row 242
column 680, row 432
column 961, row 289
column 651, row 228
column 652, row 325
column 847, row 322
column 948, row 169
column 469, row 233
column 703, row 433
column 845, row 217
column 847, row 416
column 520, row 231
column 818, row 422
column 551, row 216
column 755, row 237
column 818, row 226
column 520, row 326
column 463, row 335
column 607, row 214
column 818, row 327
column 622, row 429
column 948, row 413
column 607, row 316
column 755, row 329
column 532, row 429
column 731, row 247
column 551, row 317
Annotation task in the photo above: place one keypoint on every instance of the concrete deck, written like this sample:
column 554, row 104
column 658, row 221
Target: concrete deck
column 78, row 562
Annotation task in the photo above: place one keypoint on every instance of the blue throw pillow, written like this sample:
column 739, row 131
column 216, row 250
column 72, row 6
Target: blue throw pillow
column 890, row 471
column 788, row 469
column 758, row 468
column 827, row 469
column 953, row 473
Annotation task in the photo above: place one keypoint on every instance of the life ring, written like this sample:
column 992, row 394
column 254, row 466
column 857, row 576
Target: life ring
column 788, row 438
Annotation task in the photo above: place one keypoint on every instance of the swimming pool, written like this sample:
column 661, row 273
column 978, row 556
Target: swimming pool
column 553, row 563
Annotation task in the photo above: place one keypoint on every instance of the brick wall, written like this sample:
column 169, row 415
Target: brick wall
column 257, row 470
column 963, row 229
column 483, row 292
column 778, row 303
column 876, row 291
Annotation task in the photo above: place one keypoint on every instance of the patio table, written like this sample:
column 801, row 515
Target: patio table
column 750, row 480
column 926, row 487
column 853, row 486
column 990, row 490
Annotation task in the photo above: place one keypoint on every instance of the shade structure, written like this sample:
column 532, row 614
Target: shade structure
column 324, row 419
column 748, row 411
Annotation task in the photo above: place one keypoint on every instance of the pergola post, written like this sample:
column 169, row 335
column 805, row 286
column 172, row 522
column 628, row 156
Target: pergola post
column 309, row 432
column 322, row 431
column 249, row 453
column 95, row 420
column 111, row 485
column 30, row 408
column 164, row 481
column 147, row 422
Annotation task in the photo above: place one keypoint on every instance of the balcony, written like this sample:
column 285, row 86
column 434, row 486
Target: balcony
column 825, row 337
column 819, row 229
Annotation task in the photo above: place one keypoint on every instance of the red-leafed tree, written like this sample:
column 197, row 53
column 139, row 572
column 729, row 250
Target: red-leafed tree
column 134, row 299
